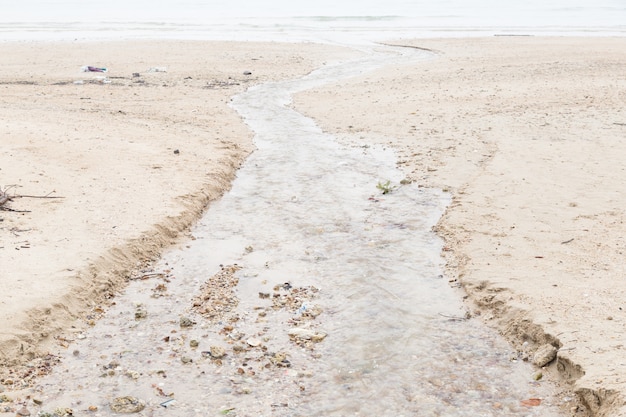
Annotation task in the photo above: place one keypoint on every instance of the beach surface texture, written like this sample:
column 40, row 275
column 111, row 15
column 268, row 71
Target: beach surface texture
column 529, row 136
column 101, row 171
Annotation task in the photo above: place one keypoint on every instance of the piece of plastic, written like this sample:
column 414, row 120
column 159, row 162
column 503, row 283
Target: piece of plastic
column 89, row 68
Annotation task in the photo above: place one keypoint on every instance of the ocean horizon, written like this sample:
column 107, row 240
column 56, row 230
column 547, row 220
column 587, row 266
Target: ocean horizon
column 298, row 20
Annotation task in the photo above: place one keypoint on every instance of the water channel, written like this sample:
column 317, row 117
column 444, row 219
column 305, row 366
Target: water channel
column 305, row 291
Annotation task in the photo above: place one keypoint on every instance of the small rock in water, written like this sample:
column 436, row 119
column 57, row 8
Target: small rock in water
column 23, row 412
column 194, row 343
column 217, row 352
column 280, row 359
column 544, row 355
column 306, row 334
column 127, row 405
column 186, row 322
column 252, row 342
column 133, row 374
column 140, row 312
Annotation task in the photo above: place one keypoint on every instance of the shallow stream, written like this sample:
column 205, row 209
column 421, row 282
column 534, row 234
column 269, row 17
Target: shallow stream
column 305, row 291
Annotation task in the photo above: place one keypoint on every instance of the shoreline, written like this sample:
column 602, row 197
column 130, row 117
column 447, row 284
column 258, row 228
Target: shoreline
column 524, row 132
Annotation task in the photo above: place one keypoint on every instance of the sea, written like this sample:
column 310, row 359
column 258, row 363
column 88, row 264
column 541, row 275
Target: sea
column 305, row 20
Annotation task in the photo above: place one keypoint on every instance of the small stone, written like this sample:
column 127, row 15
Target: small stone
column 93, row 408
column 544, row 355
column 247, row 73
column 23, row 412
column 186, row 359
column 217, row 352
column 253, row 342
column 186, row 322
column 133, row 374
column 37, row 401
column 306, row 334
column 537, row 376
column 140, row 312
column 194, row 343
column 127, row 405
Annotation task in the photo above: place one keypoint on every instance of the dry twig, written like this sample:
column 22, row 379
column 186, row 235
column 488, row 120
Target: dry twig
column 5, row 198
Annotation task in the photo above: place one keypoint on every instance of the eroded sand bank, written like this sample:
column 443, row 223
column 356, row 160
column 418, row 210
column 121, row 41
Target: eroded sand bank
column 135, row 154
column 529, row 135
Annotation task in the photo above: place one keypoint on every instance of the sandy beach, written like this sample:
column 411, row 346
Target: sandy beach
column 526, row 133
column 131, row 158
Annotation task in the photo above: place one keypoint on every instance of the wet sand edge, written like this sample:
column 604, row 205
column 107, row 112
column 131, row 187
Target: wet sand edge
column 167, row 129
column 498, row 122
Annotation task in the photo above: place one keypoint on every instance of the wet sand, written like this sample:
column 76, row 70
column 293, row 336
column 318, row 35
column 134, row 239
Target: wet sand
column 526, row 133
column 133, row 159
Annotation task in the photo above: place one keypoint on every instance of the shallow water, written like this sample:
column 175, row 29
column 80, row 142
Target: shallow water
column 300, row 20
column 304, row 241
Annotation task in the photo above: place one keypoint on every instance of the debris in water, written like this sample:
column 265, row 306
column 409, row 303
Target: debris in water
column 168, row 403
column 531, row 402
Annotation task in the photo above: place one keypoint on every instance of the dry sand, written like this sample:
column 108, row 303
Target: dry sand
column 529, row 136
column 136, row 161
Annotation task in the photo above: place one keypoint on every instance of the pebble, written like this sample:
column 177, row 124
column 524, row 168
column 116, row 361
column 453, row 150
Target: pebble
column 127, row 405
column 307, row 334
column 544, row 355
column 217, row 352
column 141, row 312
column 194, row 343
column 23, row 412
column 252, row 342
column 186, row 322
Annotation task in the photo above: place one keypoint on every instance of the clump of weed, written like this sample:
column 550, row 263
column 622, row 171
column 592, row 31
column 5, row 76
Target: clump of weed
column 385, row 187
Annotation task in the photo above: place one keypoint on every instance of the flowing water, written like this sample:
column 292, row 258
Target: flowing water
column 305, row 291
